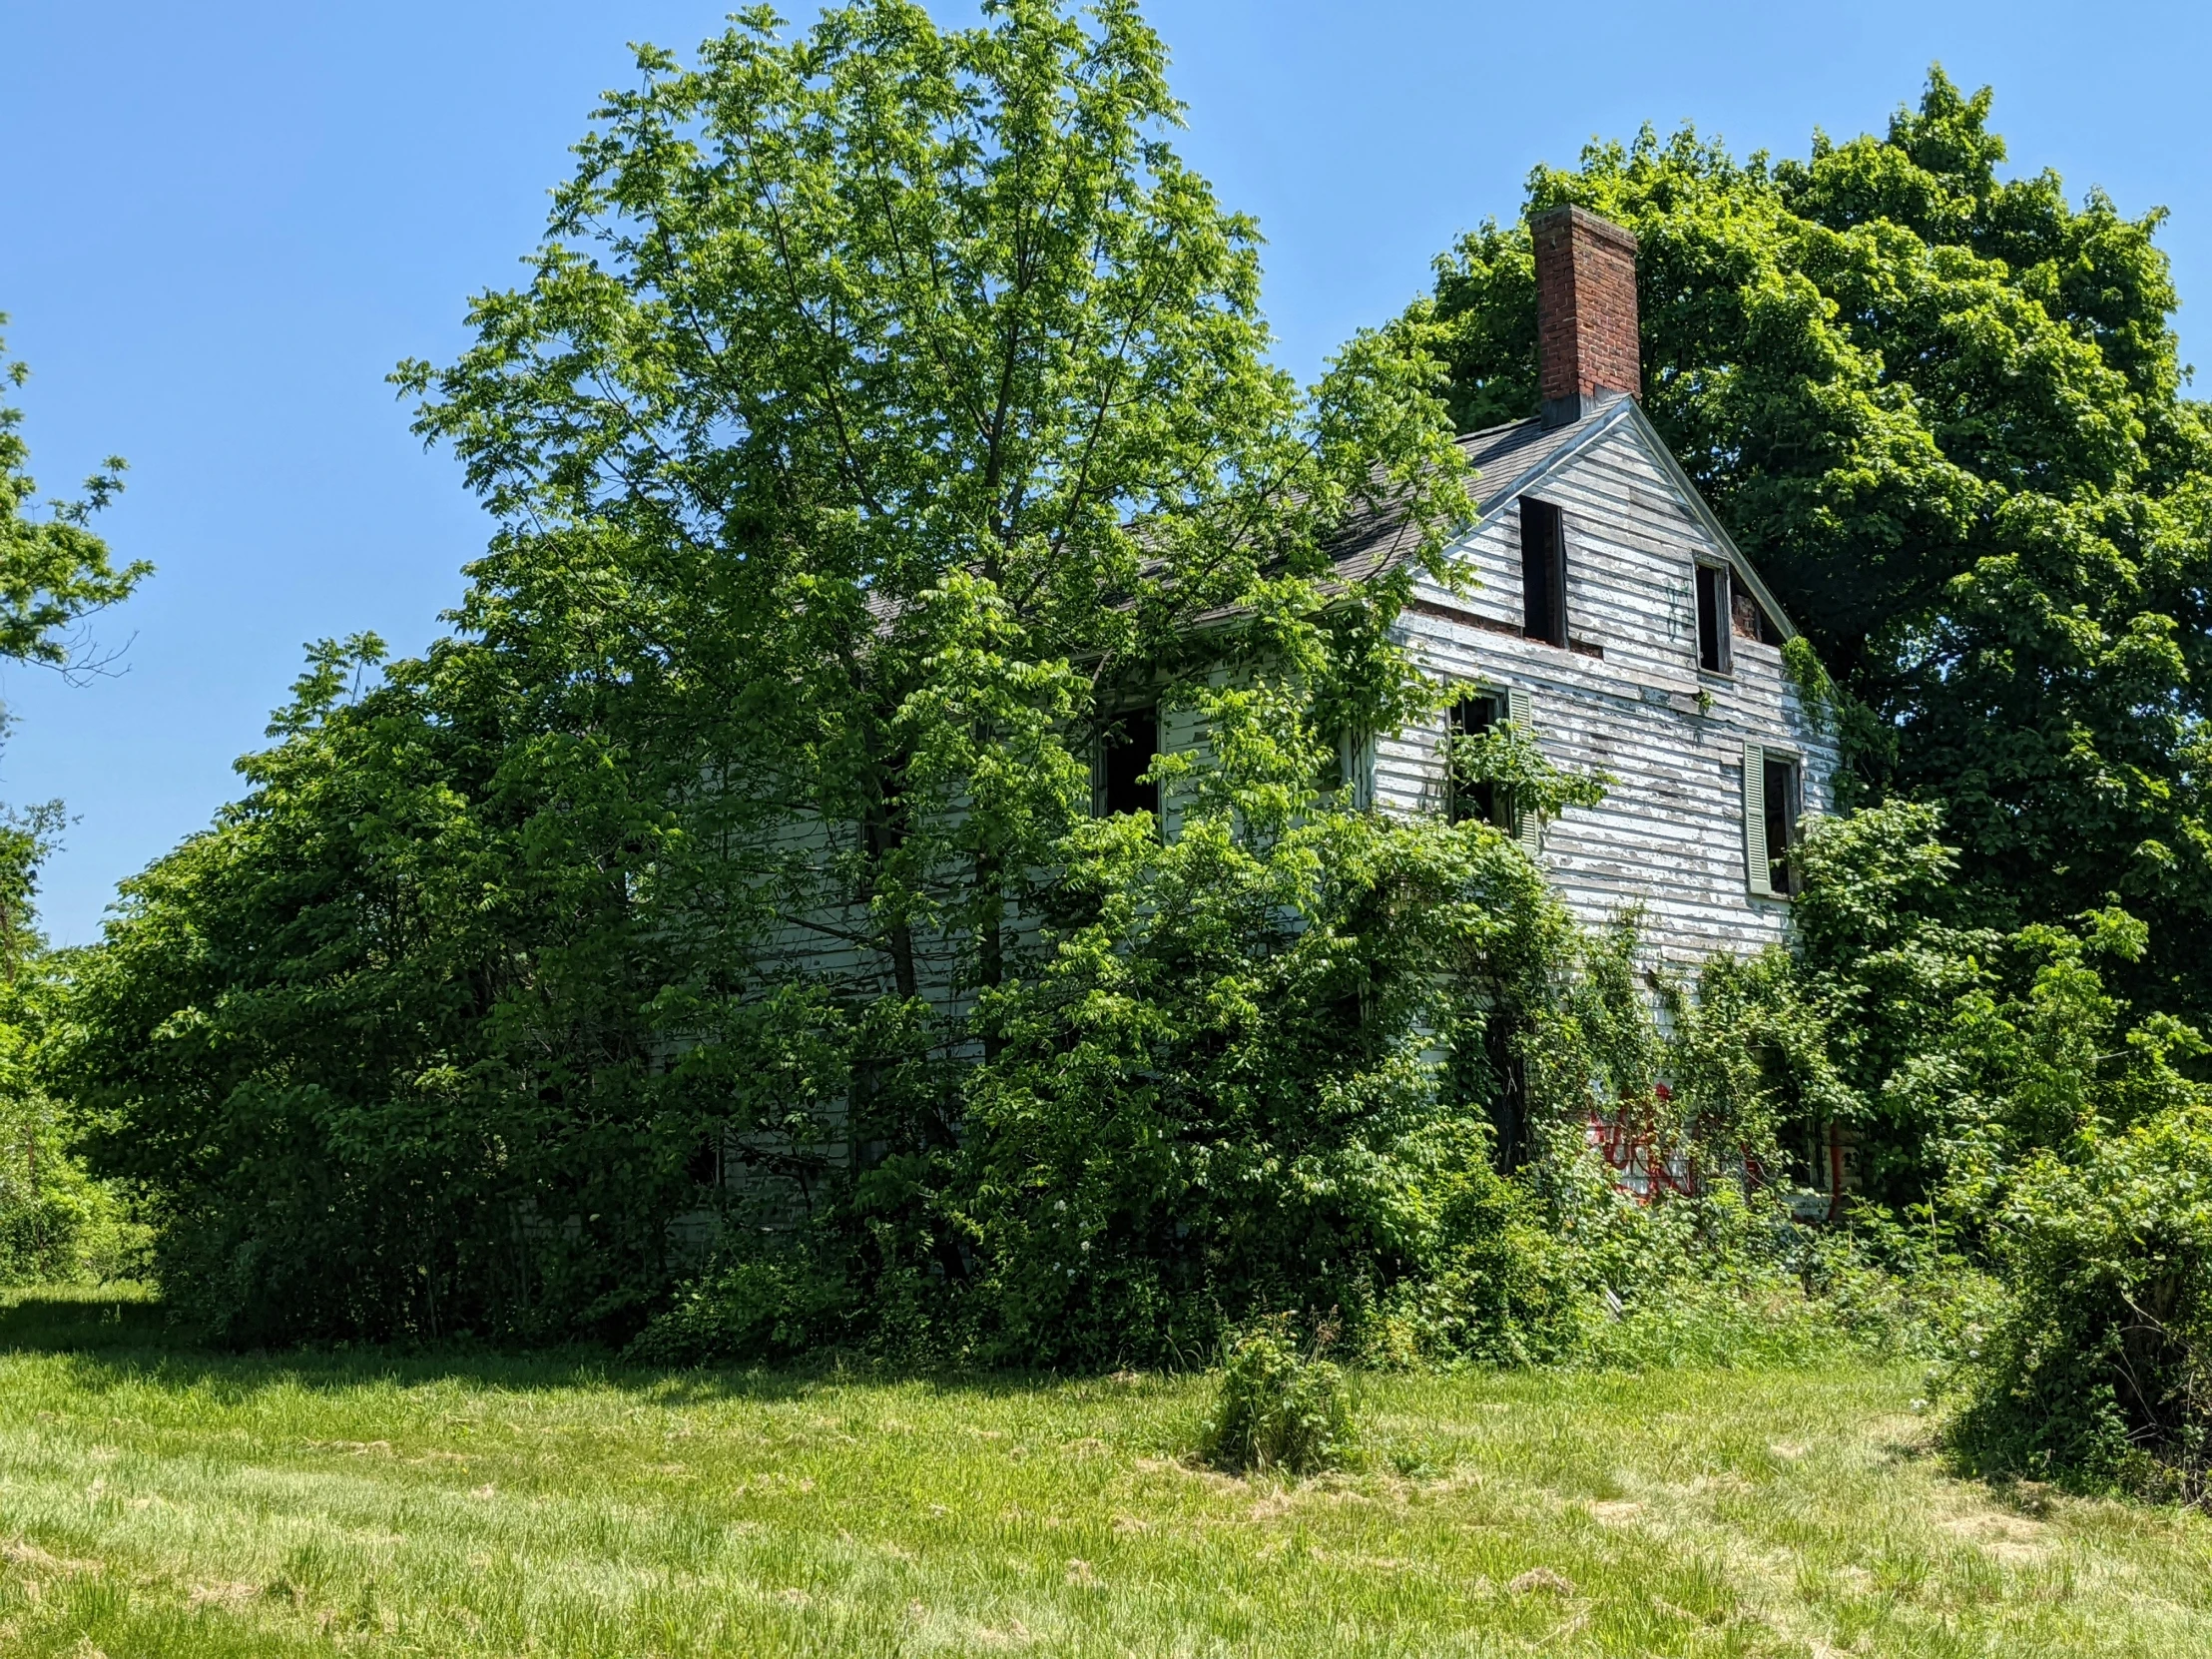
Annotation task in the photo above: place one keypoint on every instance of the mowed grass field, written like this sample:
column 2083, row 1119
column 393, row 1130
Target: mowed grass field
column 159, row 1501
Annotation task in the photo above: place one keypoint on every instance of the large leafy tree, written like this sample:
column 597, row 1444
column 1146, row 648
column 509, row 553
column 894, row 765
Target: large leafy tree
column 883, row 410
column 1943, row 411
column 54, row 571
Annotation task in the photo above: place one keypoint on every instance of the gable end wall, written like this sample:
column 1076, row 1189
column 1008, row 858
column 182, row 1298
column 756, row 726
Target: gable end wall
column 1669, row 837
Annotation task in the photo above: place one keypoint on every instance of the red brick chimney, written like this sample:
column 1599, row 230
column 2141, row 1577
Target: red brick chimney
column 1586, row 345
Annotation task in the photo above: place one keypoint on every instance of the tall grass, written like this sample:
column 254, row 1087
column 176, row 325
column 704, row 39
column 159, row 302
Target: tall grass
column 160, row 1502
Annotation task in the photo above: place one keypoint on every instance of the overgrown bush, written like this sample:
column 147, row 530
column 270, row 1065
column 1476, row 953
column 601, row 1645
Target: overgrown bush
column 2098, row 1370
column 1715, row 1280
column 765, row 1304
column 57, row 1222
column 1280, row 1409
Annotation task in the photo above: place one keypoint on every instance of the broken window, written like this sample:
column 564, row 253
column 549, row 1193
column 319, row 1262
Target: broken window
column 704, row 1165
column 1752, row 621
column 1351, row 769
column 1782, row 804
column 1125, row 754
column 1543, row 572
column 1473, row 798
column 1712, row 618
column 1483, row 800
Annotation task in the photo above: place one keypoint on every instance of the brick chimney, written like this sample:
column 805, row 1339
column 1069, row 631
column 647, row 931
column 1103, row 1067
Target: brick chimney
column 1586, row 345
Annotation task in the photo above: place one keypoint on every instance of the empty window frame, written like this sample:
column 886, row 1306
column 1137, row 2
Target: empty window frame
column 1713, row 611
column 1543, row 572
column 1125, row 753
column 1472, row 799
column 1774, row 803
column 1479, row 800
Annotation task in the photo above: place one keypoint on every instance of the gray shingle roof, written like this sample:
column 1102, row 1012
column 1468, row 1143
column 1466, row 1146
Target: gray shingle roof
column 1375, row 541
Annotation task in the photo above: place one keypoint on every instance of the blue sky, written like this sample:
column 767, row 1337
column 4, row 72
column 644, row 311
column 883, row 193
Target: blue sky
column 225, row 222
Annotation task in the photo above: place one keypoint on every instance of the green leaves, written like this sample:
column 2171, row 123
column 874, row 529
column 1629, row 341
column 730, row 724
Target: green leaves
column 1940, row 410
column 886, row 413
column 2098, row 1371
column 54, row 571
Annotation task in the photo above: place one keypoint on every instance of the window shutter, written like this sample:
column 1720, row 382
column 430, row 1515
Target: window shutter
column 1529, row 828
column 1356, row 764
column 1758, row 870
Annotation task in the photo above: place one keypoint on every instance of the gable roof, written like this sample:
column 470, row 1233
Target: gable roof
column 1513, row 460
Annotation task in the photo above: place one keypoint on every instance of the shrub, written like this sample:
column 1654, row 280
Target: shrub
column 1279, row 1410
column 1495, row 1283
column 2098, row 1370
column 746, row 1309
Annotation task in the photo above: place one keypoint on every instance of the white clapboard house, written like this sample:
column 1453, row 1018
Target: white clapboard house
column 1601, row 605
column 1604, row 606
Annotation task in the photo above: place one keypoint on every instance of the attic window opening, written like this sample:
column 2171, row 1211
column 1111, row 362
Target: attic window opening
column 1751, row 619
column 1712, row 618
column 1125, row 754
column 1543, row 572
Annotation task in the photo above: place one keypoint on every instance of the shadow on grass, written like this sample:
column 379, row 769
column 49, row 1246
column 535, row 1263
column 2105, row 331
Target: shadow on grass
column 73, row 1319
column 119, row 1334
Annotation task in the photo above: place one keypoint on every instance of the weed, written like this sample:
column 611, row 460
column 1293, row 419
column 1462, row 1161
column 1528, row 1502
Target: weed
column 1279, row 1411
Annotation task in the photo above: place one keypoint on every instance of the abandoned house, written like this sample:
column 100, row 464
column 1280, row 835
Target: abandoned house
column 1611, row 613
column 1606, row 610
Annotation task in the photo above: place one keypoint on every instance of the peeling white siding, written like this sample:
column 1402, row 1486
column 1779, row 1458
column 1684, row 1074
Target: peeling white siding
column 1668, row 837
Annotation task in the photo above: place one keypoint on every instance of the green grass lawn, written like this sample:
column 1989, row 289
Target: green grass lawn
column 161, row 1502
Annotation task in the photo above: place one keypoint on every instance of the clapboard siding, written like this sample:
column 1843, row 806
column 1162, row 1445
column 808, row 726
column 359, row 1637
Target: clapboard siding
column 1668, row 839
column 942, row 964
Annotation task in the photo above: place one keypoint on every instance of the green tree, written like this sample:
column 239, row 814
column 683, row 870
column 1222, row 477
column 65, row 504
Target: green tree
column 54, row 571
column 1942, row 411
column 886, row 413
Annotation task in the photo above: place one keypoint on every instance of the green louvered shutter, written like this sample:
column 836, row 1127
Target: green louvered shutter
column 1758, row 869
column 1529, row 828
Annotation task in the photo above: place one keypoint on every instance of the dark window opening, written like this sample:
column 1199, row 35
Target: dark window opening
column 1543, row 572
column 1508, row 1097
column 1125, row 754
column 1752, row 621
column 1712, row 618
column 1783, row 804
column 705, row 1164
column 884, row 828
column 1472, row 798
column 1346, row 769
column 1820, row 1171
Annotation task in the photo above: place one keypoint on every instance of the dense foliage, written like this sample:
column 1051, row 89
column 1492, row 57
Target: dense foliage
column 55, row 1220
column 885, row 406
column 735, row 938
column 1212, row 1097
column 2099, row 1368
column 1943, row 412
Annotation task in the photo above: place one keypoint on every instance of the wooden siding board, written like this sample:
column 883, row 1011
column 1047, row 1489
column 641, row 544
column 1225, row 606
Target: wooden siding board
column 1668, row 838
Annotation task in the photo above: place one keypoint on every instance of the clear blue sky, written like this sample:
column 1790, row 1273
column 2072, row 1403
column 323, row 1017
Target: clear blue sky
column 225, row 222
